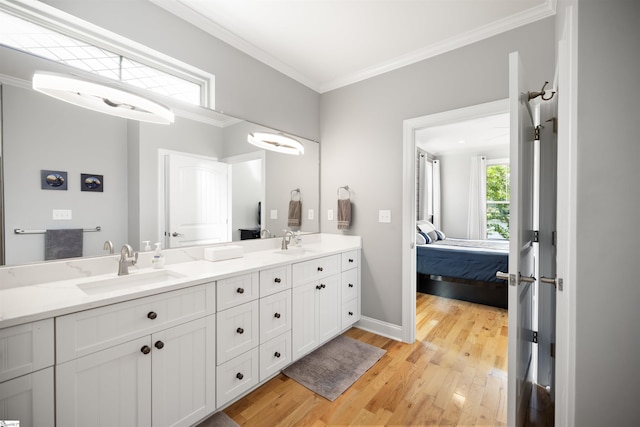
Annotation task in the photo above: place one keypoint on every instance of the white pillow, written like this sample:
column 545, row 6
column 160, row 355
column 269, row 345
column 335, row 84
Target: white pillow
column 425, row 226
column 441, row 235
column 420, row 240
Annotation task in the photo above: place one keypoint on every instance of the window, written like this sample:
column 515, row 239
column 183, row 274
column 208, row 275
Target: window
column 498, row 199
column 38, row 40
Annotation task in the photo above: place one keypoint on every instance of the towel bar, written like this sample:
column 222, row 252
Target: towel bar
column 21, row 231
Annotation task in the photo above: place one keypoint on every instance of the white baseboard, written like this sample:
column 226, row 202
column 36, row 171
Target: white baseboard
column 379, row 327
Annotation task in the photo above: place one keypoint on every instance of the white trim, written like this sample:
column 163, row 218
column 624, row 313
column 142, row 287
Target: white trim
column 379, row 327
column 410, row 127
column 72, row 26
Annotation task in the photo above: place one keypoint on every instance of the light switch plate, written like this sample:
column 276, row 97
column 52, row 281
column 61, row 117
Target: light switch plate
column 310, row 214
column 61, row 214
column 384, row 216
column 274, row 214
column 330, row 214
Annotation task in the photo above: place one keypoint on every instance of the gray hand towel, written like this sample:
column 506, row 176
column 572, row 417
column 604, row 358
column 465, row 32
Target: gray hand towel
column 344, row 214
column 295, row 213
column 60, row 244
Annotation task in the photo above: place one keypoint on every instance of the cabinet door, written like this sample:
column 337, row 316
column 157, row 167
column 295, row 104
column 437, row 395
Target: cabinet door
column 237, row 331
column 28, row 399
column 329, row 313
column 107, row 388
column 275, row 315
column 304, row 326
column 237, row 376
column 183, row 386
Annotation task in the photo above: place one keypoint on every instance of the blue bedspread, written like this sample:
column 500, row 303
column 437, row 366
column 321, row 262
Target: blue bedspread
column 460, row 261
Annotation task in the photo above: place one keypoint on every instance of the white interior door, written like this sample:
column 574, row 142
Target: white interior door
column 197, row 201
column 521, row 248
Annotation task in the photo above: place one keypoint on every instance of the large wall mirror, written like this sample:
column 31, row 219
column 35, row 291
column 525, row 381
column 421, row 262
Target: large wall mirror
column 143, row 186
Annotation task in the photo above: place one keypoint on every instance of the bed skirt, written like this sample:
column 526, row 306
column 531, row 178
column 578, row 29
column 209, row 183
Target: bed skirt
column 488, row 293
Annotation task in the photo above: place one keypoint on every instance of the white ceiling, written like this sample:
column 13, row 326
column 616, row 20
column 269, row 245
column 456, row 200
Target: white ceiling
column 470, row 135
column 327, row 44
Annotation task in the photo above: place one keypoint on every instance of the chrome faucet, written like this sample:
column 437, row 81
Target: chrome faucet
column 265, row 233
column 108, row 246
column 286, row 239
column 127, row 258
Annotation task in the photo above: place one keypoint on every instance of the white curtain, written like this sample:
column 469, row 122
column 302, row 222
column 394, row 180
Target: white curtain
column 477, row 219
column 436, row 195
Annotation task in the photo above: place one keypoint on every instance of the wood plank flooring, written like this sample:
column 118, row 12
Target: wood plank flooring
column 454, row 374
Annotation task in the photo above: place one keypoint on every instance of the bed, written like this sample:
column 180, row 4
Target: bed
column 464, row 269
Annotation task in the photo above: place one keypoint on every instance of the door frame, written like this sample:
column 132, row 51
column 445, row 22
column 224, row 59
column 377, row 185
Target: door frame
column 410, row 127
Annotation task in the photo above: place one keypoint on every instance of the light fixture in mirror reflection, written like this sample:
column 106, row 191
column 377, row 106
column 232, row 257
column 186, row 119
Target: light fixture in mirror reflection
column 279, row 143
column 42, row 133
column 101, row 98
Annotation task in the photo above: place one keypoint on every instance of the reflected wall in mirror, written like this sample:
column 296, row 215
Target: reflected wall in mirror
column 42, row 133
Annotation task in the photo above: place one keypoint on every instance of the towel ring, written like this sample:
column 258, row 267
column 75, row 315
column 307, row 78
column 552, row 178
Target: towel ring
column 293, row 193
column 345, row 188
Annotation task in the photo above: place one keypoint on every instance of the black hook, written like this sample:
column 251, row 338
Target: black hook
column 541, row 94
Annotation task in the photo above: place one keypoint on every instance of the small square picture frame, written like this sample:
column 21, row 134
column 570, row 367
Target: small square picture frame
column 53, row 180
column 91, row 182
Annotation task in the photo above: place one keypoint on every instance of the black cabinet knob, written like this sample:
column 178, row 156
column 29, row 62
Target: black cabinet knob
column 277, row 354
column 152, row 315
column 350, row 259
column 277, row 280
column 239, row 376
column 318, row 287
column 351, row 313
column 145, row 349
column 159, row 345
column 351, row 285
column 320, row 268
column 277, row 315
column 240, row 331
column 322, row 285
column 240, row 290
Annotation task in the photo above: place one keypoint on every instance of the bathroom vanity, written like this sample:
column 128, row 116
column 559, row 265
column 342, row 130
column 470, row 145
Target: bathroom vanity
column 80, row 346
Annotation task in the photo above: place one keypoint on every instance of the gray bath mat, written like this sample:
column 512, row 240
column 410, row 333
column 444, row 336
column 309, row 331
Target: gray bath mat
column 334, row 367
column 219, row 419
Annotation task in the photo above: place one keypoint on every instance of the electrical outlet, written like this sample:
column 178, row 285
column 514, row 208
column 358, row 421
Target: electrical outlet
column 384, row 216
column 310, row 214
column 274, row 214
column 330, row 214
column 61, row 214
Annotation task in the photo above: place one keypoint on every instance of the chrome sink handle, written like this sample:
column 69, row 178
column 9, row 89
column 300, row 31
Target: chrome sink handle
column 127, row 257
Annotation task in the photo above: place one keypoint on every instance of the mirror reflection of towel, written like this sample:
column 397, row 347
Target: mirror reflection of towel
column 295, row 213
column 65, row 243
column 344, row 214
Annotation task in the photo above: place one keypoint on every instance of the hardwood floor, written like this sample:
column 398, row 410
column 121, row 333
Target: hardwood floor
column 454, row 374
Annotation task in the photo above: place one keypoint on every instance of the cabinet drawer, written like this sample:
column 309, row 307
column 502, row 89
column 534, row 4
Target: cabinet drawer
column 275, row 355
column 237, row 331
column 349, row 280
column 350, row 260
column 315, row 269
column 29, row 399
column 350, row 313
column 85, row 332
column 275, row 280
column 25, row 348
column 275, row 315
column 236, row 377
column 237, row 290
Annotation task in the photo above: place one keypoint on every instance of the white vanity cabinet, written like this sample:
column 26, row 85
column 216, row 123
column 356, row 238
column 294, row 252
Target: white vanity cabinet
column 316, row 303
column 350, row 288
column 137, row 366
column 26, row 373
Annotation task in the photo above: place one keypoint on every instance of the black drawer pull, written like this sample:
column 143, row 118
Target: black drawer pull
column 240, row 331
column 351, row 285
column 239, row 376
column 277, row 315
column 351, row 313
column 320, row 269
column 159, row 345
column 152, row 315
column 322, row 285
column 277, row 280
column 277, row 354
column 318, row 287
column 145, row 349
column 350, row 259
column 240, row 290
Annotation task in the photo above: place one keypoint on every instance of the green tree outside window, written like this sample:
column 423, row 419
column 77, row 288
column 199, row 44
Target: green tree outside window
column 498, row 202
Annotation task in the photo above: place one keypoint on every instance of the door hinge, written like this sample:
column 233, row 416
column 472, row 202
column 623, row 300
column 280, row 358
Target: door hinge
column 554, row 120
column 536, row 133
column 554, row 236
column 536, row 236
column 553, row 349
column 534, row 338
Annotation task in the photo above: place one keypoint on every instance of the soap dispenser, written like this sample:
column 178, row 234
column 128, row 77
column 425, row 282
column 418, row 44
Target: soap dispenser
column 158, row 258
column 147, row 246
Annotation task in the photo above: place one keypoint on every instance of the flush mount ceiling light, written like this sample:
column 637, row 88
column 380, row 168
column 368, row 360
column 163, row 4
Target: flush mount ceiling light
column 276, row 142
column 104, row 99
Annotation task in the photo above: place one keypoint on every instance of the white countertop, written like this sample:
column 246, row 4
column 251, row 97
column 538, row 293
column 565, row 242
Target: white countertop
column 23, row 304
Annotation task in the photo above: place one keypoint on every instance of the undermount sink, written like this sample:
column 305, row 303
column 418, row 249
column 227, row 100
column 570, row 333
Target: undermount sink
column 131, row 280
column 294, row 251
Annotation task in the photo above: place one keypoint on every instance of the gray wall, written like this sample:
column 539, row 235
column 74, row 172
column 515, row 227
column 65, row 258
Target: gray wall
column 607, row 317
column 454, row 182
column 361, row 137
column 245, row 87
